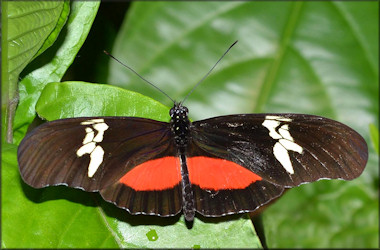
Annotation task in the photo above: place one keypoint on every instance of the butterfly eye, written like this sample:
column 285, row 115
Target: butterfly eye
column 171, row 112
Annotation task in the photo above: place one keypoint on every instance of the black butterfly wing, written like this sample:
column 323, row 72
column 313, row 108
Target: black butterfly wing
column 284, row 150
column 133, row 161
column 95, row 153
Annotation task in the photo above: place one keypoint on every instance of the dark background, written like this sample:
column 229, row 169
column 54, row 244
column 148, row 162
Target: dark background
column 91, row 64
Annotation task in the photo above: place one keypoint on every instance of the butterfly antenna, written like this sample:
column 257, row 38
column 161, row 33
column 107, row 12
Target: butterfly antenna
column 196, row 85
column 141, row 77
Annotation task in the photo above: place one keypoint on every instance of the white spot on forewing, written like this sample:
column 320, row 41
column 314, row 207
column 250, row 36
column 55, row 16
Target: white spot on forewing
column 101, row 127
column 96, row 159
column 285, row 126
column 285, row 133
column 271, row 126
column 88, row 130
column 98, row 120
column 89, row 144
column 289, row 145
column 99, row 137
column 271, row 117
column 284, row 119
column 282, row 156
column 89, row 137
column 285, row 140
column 86, row 149
column 87, row 123
column 92, row 121
column 277, row 118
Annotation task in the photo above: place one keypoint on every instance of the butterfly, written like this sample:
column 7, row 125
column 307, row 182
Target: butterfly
column 218, row 166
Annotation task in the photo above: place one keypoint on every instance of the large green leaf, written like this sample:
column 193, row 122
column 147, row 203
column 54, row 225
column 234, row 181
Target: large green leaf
column 302, row 57
column 57, row 102
column 28, row 29
column 43, row 219
column 374, row 132
column 52, row 66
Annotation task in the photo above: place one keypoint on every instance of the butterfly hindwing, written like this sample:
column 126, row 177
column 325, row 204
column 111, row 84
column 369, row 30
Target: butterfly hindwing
column 152, row 187
column 166, row 202
column 222, row 187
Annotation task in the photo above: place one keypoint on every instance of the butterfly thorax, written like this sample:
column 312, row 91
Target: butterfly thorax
column 180, row 124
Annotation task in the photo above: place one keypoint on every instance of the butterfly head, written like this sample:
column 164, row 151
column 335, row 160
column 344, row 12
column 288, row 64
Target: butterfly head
column 179, row 112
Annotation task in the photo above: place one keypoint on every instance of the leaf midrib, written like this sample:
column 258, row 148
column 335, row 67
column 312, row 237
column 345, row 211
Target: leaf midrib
column 272, row 73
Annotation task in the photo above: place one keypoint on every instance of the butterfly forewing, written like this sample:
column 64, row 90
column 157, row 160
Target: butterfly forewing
column 284, row 149
column 61, row 152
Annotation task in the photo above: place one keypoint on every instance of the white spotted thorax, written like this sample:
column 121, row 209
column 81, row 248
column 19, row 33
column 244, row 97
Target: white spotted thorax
column 90, row 143
column 285, row 140
column 180, row 124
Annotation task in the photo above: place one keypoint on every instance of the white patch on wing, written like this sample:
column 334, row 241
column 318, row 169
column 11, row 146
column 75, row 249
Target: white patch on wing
column 88, row 130
column 100, row 127
column 90, row 141
column 96, row 160
column 285, row 133
column 271, row 126
column 92, row 121
column 89, row 136
column 86, row 149
column 277, row 118
column 289, row 145
column 285, row 141
column 282, row 156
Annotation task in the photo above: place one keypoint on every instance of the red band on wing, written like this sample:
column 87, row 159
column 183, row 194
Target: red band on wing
column 216, row 174
column 159, row 174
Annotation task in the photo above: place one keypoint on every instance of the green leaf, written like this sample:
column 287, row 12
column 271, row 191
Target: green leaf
column 337, row 214
column 295, row 57
column 61, row 55
column 374, row 132
column 42, row 219
column 57, row 102
column 26, row 27
column 59, row 25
